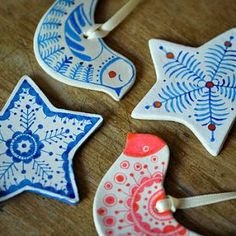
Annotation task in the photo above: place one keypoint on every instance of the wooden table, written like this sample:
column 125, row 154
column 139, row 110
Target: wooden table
column 192, row 169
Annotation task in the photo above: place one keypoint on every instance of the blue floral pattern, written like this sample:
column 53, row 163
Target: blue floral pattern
column 37, row 142
column 63, row 51
column 197, row 87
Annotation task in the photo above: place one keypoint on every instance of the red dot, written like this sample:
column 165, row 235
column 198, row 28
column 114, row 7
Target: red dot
column 228, row 44
column 109, row 221
column 170, row 55
column 108, row 185
column 137, row 166
column 112, row 74
column 157, row 104
column 109, row 232
column 209, row 84
column 120, row 178
column 124, row 164
column 102, row 211
column 211, row 127
column 109, row 200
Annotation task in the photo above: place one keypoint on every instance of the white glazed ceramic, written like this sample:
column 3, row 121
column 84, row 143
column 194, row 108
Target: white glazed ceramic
column 65, row 54
column 37, row 144
column 127, row 195
column 196, row 87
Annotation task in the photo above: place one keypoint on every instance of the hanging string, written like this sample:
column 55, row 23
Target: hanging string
column 172, row 204
column 102, row 30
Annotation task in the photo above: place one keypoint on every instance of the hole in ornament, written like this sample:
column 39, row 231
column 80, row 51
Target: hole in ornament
column 85, row 36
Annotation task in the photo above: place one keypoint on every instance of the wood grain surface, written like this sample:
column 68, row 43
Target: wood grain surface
column 192, row 169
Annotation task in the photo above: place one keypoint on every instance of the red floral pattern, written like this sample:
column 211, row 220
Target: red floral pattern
column 127, row 207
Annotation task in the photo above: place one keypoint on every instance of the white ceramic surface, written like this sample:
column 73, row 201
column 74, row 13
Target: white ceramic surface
column 65, row 54
column 196, row 87
column 126, row 197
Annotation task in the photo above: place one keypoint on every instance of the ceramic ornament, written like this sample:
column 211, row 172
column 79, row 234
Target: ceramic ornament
column 65, row 53
column 127, row 195
column 196, row 87
column 37, row 144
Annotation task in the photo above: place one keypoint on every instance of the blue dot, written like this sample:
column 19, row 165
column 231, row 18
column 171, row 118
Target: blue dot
column 24, row 145
column 50, row 177
column 9, row 126
column 23, row 171
column 50, row 153
column 67, row 131
column 40, row 126
column 161, row 47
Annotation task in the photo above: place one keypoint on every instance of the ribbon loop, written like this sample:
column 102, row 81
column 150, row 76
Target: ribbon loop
column 171, row 203
column 102, row 30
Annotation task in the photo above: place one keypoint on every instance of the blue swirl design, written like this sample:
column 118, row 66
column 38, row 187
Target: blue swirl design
column 209, row 90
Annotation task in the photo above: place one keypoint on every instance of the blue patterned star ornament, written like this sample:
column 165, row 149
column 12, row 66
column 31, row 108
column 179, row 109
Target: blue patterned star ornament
column 196, row 87
column 65, row 53
column 37, row 144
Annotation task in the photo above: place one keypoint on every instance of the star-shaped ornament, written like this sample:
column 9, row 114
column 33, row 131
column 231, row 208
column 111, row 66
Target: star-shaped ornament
column 125, row 202
column 196, row 87
column 65, row 53
column 37, row 144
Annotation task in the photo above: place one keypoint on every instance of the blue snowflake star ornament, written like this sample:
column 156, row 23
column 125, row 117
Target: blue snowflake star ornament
column 196, row 87
column 37, row 144
column 67, row 55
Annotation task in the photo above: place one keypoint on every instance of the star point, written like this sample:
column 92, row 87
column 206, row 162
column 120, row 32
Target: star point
column 195, row 86
column 37, row 144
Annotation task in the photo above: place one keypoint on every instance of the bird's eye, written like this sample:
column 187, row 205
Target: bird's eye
column 146, row 148
column 112, row 74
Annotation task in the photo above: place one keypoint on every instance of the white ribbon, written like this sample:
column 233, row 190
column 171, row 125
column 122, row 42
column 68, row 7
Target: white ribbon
column 102, row 30
column 171, row 203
